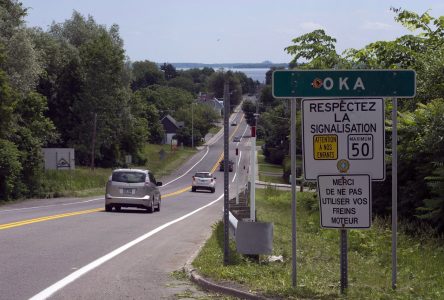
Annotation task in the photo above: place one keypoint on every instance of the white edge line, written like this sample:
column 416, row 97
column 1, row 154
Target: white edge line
column 240, row 155
column 92, row 265
column 208, row 149
column 237, row 168
column 96, row 199
column 43, row 206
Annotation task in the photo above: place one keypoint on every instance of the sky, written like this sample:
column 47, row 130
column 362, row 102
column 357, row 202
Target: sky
column 231, row 31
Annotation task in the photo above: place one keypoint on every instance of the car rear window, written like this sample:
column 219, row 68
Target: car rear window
column 129, row 177
column 203, row 175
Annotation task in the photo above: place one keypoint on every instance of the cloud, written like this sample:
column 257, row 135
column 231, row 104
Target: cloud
column 376, row 26
column 310, row 26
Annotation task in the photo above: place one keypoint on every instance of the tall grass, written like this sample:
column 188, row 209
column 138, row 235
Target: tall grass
column 420, row 257
column 86, row 182
column 79, row 182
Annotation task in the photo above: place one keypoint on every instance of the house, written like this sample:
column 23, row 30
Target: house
column 213, row 102
column 170, row 125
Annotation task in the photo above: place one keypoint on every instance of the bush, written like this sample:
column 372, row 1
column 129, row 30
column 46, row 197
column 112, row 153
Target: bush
column 10, row 168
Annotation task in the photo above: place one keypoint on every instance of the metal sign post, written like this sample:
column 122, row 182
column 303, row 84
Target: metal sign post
column 226, row 174
column 351, row 142
column 394, row 189
column 293, row 190
column 344, row 260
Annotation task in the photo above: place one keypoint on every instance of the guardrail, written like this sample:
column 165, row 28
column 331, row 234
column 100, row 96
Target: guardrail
column 233, row 224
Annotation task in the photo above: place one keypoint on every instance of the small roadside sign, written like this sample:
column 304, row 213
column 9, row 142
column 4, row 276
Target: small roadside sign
column 343, row 136
column 345, row 201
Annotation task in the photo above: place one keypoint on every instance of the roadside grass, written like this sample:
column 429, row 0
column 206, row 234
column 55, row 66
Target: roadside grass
column 215, row 129
column 79, row 182
column 420, row 257
column 83, row 181
column 266, row 167
column 267, row 170
column 272, row 179
column 171, row 161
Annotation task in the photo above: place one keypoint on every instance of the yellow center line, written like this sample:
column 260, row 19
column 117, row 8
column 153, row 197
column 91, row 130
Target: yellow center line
column 177, row 192
column 222, row 154
column 59, row 216
column 47, row 218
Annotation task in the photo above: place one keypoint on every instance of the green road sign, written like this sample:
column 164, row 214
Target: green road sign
column 344, row 83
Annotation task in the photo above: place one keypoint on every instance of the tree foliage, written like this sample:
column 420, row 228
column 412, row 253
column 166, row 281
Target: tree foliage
column 421, row 156
column 216, row 85
column 249, row 109
column 317, row 48
column 146, row 73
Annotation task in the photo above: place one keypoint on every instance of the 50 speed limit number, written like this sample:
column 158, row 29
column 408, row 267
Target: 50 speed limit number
column 343, row 136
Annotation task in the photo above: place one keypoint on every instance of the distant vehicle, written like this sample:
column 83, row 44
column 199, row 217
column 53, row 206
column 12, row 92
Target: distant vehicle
column 132, row 188
column 230, row 165
column 234, row 123
column 237, row 139
column 203, row 181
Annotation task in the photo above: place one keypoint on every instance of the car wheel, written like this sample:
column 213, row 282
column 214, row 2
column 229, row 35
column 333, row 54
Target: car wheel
column 213, row 190
column 150, row 208
column 158, row 205
column 193, row 189
column 108, row 208
column 117, row 208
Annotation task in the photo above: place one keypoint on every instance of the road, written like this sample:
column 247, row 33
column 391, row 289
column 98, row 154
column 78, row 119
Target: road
column 70, row 248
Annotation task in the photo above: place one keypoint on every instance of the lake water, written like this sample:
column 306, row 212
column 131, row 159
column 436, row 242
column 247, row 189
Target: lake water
column 254, row 73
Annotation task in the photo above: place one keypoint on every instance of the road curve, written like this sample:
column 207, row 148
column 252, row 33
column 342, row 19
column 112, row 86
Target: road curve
column 71, row 249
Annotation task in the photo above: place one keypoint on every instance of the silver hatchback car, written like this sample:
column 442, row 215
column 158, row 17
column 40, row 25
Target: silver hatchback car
column 132, row 188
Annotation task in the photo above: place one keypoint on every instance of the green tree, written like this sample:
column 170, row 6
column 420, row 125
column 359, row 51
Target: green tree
column 216, row 85
column 184, row 82
column 266, row 99
column 317, row 48
column 32, row 132
column 146, row 73
column 87, row 75
column 166, row 99
column 249, row 109
column 169, row 71
column 204, row 117
column 150, row 114
column 21, row 62
column 10, row 165
column 422, row 150
column 275, row 125
column 248, row 85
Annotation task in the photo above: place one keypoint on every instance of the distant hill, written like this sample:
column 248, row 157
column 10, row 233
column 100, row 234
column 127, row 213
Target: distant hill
column 265, row 64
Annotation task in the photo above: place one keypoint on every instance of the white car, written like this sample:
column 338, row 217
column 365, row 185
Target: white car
column 203, row 181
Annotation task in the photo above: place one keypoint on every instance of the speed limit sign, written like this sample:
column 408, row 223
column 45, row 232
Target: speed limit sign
column 343, row 136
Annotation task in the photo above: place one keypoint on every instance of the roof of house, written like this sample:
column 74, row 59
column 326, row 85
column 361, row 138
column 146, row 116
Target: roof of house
column 170, row 124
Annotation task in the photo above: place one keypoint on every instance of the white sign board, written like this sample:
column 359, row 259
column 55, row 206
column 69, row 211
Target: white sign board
column 345, row 201
column 59, row 158
column 343, row 136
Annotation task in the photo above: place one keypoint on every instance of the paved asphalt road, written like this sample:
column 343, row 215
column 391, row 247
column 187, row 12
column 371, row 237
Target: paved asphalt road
column 69, row 248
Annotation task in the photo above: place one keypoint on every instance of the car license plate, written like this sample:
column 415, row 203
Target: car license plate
column 127, row 191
